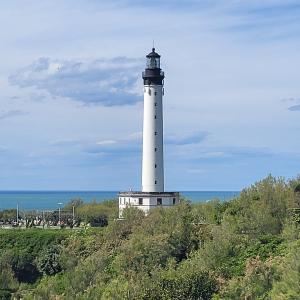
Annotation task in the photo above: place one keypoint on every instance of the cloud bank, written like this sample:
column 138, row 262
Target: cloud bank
column 295, row 108
column 194, row 138
column 107, row 82
column 11, row 113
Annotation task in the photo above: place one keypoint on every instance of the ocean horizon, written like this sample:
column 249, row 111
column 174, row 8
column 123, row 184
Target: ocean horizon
column 43, row 200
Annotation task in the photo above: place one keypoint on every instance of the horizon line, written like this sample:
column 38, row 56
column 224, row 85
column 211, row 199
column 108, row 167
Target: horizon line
column 112, row 191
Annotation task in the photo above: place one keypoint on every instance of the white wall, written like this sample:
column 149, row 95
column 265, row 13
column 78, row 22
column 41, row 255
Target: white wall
column 148, row 203
column 153, row 178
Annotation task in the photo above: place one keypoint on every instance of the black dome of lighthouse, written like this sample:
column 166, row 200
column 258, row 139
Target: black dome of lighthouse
column 153, row 54
column 153, row 73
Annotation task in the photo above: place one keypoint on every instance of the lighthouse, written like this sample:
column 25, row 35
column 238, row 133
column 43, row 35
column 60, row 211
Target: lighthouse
column 153, row 191
column 153, row 157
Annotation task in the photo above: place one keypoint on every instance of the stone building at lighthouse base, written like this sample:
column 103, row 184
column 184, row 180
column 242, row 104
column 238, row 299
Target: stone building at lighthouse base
column 147, row 200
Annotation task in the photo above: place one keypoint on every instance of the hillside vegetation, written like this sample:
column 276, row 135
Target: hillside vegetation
column 246, row 248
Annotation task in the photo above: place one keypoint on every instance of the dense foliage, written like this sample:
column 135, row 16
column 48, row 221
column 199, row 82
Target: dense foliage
column 246, row 248
column 19, row 252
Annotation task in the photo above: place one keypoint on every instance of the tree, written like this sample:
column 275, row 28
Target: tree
column 255, row 284
column 143, row 253
column 98, row 214
column 260, row 209
column 21, row 264
column 48, row 261
column 8, row 283
column 287, row 286
column 187, row 281
column 76, row 202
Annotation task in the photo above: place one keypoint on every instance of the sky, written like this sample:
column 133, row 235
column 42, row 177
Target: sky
column 71, row 101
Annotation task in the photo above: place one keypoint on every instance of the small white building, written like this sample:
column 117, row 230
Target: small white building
column 146, row 201
column 152, row 194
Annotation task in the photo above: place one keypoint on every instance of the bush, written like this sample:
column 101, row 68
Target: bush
column 48, row 261
column 246, row 248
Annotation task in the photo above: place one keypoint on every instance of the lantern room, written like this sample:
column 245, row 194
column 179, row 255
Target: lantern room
column 153, row 60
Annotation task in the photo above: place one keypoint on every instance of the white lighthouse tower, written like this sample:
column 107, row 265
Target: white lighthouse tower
column 153, row 154
column 152, row 194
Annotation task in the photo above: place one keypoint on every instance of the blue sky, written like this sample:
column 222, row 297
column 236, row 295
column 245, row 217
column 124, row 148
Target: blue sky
column 71, row 92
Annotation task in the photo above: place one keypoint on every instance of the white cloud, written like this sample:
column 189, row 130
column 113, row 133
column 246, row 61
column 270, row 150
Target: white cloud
column 11, row 114
column 107, row 142
column 196, row 171
column 295, row 108
column 108, row 82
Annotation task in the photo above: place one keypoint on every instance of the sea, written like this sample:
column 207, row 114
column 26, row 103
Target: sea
column 50, row 200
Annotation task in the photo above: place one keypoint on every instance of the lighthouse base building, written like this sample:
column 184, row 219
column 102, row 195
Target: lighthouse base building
column 147, row 201
column 152, row 194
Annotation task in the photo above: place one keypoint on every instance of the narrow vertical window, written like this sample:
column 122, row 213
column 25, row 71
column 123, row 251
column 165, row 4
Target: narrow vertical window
column 140, row 201
column 159, row 201
column 155, row 104
column 155, row 133
column 155, row 149
column 155, row 165
column 155, row 93
column 174, row 201
column 155, row 117
column 155, row 181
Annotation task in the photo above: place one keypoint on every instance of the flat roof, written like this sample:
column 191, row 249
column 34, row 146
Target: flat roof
column 147, row 194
